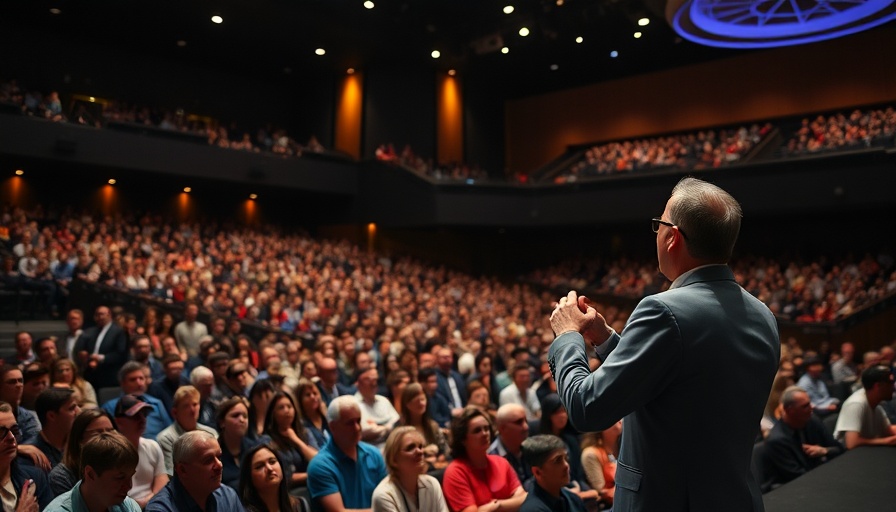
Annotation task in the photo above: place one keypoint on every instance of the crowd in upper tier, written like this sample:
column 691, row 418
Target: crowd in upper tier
column 840, row 131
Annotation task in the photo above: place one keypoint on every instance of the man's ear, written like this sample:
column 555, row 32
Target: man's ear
column 90, row 474
column 536, row 471
column 51, row 416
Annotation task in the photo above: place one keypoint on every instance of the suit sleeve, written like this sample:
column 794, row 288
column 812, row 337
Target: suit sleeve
column 783, row 459
column 637, row 364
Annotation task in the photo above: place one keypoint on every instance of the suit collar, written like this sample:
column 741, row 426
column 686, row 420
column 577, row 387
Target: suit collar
column 713, row 272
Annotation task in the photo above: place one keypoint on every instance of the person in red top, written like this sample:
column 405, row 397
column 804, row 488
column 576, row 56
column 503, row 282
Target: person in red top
column 475, row 481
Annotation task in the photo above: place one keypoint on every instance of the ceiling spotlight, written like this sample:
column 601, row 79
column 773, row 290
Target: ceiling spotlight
column 217, row 19
column 451, row 72
column 638, row 35
column 188, row 190
column 508, row 9
column 554, row 67
column 112, row 181
column 91, row 99
column 579, row 39
column 350, row 71
column 614, row 54
column 253, row 196
column 368, row 4
column 19, row 172
column 524, row 31
column 560, row 2
column 643, row 22
column 55, row 10
column 436, row 54
column 320, row 51
column 181, row 43
column 505, row 50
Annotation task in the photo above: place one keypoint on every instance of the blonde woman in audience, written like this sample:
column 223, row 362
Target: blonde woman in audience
column 599, row 452
column 65, row 373
column 407, row 488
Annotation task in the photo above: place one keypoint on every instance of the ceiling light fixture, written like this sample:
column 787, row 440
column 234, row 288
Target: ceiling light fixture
column 436, row 54
column 451, row 72
column 554, row 67
column 19, row 172
column 524, row 31
column 181, row 43
column 643, row 22
column 350, row 71
column 508, row 9
column 638, row 35
column 320, row 52
column 253, row 196
column 55, row 10
column 112, row 181
column 187, row 190
column 614, row 54
column 217, row 19
column 369, row 5
column 579, row 39
column 505, row 50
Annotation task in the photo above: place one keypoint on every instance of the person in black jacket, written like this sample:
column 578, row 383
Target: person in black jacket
column 550, row 464
column 798, row 443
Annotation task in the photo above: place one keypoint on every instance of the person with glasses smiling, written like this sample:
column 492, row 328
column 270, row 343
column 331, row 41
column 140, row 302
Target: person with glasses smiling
column 701, row 342
column 22, row 488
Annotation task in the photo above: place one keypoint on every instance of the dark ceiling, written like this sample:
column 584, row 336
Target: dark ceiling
column 277, row 39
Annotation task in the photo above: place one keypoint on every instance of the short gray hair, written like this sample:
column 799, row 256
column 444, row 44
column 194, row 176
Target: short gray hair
column 340, row 403
column 788, row 397
column 199, row 373
column 185, row 446
column 708, row 217
column 129, row 367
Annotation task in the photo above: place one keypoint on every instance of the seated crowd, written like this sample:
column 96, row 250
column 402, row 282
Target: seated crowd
column 452, row 171
column 861, row 128
column 796, row 290
column 99, row 113
column 705, row 149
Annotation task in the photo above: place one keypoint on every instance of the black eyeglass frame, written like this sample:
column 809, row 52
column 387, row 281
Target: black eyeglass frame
column 655, row 226
column 14, row 429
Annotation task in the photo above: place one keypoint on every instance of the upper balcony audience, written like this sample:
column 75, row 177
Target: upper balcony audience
column 861, row 128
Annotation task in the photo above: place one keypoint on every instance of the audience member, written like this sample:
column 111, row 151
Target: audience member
column 295, row 447
column 190, row 330
column 599, row 453
column 74, row 322
column 233, row 423
column 408, row 487
column 556, row 422
column 474, row 478
column 812, row 381
column 520, row 392
column 23, row 354
column 141, row 352
column 108, row 463
column 862, row 421
column 101, row 350
column 63, row 372
column 346, row 471
column 844, row 369
column 798, row 443
column 263, row 486
column 25, row 487
column 56, row 409
column 130, row 417
column 173, row 378
column 377, row 414
column 259, row 399
column 313, row 411
column 133, row 382
column 329, row 384
column 549, row 459
column 203, row 380
column 451, row 384
column 416, row 414
column 186, row 419
column 437, row 404
column 37, row 379
column 512, row 431
column 196, row 485
column 46, row 351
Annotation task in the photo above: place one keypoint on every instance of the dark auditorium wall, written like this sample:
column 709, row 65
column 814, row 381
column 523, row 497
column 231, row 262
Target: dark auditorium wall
column 303, row 104
column 400, row 107
column 854, row 70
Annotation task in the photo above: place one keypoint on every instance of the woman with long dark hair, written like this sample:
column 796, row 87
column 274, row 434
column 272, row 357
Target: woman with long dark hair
column 414, row 413
column 263, row 485
column 313, row 411
column 283, row 425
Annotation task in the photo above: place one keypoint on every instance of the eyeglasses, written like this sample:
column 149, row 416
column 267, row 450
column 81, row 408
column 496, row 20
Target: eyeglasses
column 655, row 226
column 14, row 428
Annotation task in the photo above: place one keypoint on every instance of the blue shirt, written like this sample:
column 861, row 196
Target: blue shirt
column 72, row 501
column 174, row 498
column 157, row 421
column 331, row 471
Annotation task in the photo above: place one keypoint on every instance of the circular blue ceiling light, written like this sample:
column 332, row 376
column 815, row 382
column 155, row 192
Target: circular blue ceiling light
column 770, row 23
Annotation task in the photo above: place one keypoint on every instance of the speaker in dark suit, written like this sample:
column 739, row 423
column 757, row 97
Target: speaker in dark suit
column 101, row 350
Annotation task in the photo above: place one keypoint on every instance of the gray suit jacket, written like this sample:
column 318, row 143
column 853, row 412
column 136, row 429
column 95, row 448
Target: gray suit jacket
column 690, row 374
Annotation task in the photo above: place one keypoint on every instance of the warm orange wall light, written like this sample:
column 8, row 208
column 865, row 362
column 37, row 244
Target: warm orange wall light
column 450, row 121
column 371, row 237
column 348, row 115
column 14, row 191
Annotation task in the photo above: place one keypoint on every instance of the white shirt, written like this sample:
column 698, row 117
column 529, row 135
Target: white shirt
column 511, row 395
column 856, row 415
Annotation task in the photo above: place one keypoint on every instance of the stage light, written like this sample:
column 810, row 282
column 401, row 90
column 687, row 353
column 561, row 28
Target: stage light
column 19, row 172
column 320, row 52
column 638, row 35
column 181, row 43
column 508, row 9
column 580, row 39
column 614, row 54
column 188, row 190
column 643, row 22
column 253, row 196
column 524, row 31
column 554, row 67
column 369, row 5
column 112, row 181
column 505, row 50
column 217, row 19
column 350, row 71
column 55, row 10
column 436, row 54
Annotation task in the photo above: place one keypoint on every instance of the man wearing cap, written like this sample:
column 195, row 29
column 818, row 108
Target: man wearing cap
column 133, row 382
column 196, row 486
column 130, row 417
column 813, row 383
column 862, row 421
